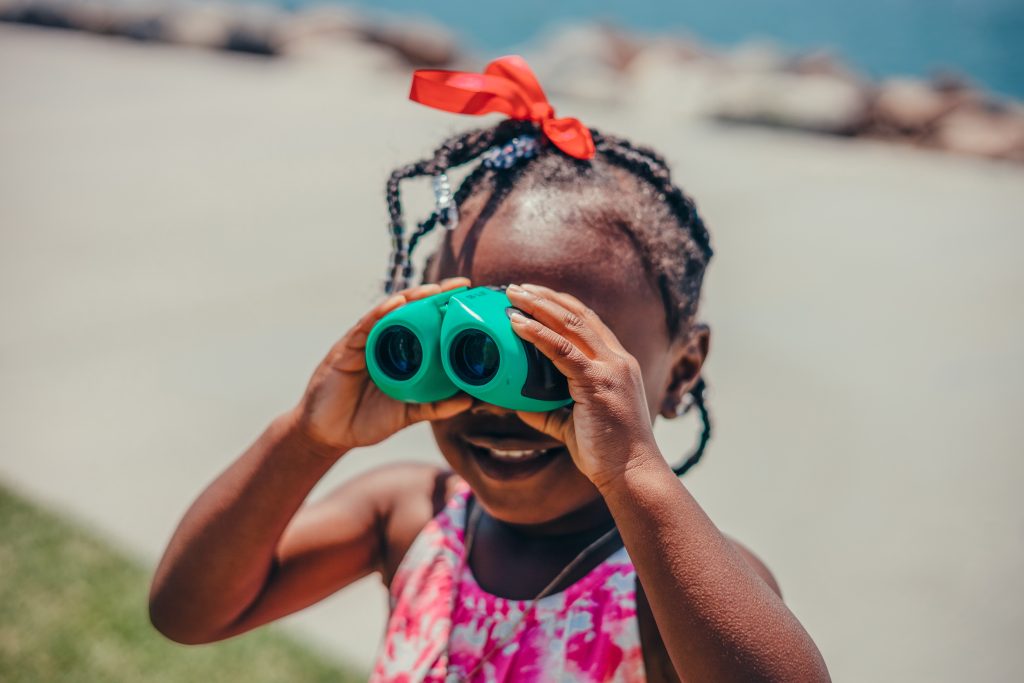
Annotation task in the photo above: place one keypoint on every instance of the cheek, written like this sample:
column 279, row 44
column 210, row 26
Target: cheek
column 445, row 438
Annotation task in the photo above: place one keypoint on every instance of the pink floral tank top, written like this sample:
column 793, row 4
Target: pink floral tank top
column 442, row 622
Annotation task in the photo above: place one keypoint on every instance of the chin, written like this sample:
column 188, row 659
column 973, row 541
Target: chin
column 519, row 475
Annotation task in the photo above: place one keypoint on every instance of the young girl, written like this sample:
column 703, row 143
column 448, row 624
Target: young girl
column 560, row 546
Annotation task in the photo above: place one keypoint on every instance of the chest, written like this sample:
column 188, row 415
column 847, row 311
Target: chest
column 521, row 567
column 444, row 620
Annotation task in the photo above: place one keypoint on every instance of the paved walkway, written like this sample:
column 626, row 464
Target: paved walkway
column 184, row 234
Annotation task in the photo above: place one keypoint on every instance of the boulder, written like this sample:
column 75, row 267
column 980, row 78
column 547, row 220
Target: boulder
column 673, row 77
column 94, row 16
column 307, row 31
column 982, row 131
column 756, row 57
column 207, row 26
column 910, row 107
column 417, row 43
column 820, row 104
column 256, row 30
column 822, row 63
column 144, row 21
column 586, row 61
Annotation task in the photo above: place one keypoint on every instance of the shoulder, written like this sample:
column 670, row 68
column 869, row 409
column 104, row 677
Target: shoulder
column 759, row 567
column 403, row 498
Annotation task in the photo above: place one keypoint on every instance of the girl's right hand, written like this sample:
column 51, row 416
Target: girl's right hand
column 342, row 408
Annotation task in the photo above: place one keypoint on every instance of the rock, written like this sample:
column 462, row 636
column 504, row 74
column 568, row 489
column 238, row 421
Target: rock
column 306, row 31
column 822, row 63
column 756, row 57
column 207, row 26
column 910, row 107
column 256, row 30
column 419, row 43
column 820, row 104
column 987, row 132
column 51, row 13
column 951, row 82
column 581, row 60
column 144, row 22
column 673, row 77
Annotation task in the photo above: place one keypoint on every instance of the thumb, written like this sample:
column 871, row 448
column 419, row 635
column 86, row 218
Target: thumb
column 554, row 423
column 438, row 410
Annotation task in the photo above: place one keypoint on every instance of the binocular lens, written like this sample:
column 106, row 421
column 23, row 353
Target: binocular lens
column 474, row 357
column 399, row 353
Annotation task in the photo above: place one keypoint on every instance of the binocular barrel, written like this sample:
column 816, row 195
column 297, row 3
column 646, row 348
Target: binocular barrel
column 461, row 339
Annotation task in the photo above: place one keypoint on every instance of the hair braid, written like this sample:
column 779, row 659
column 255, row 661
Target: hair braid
column 650, row 166
column 397, row 224
column 453, row 152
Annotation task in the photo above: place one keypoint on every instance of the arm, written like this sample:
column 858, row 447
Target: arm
column 244, row 553
column 226, row 568
column 719, row 620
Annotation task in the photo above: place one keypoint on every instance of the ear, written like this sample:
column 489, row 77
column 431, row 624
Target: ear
column 690, row 355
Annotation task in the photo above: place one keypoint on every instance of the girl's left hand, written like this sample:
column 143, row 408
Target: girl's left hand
column 609, row 425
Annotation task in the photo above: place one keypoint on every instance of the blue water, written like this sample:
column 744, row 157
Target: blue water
column 982, row 39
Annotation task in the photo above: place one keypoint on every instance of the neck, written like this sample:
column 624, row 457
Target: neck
column 592, row 519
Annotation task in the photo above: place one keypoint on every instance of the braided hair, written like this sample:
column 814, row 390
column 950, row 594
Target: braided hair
column 660, row 219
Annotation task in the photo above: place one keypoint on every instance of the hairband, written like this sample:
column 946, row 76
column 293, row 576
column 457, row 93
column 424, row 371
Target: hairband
column 506, row 86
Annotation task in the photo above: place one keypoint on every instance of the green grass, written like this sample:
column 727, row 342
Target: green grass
column 72, row 609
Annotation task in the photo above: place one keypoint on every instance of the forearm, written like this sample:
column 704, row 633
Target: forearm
column 718, row 619
column 222, row 553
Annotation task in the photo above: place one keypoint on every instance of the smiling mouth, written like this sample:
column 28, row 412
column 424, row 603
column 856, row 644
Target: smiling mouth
column 513, row 460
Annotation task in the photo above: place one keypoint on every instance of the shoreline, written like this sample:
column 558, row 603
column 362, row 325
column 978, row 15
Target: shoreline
column 754, row 83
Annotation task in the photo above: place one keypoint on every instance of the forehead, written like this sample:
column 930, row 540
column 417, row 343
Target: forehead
column 570, row 246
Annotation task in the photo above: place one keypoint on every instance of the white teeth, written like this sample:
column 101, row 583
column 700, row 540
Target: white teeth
column 513, row 454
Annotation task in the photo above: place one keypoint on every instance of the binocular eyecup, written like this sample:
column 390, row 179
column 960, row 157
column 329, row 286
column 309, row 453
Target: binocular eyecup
column 462, row 339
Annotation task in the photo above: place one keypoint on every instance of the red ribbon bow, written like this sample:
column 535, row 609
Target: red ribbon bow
column 507, row 86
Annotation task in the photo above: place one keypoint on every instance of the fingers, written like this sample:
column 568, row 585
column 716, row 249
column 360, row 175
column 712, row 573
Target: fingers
column 454, row 282
column 357, row 339
column 555, row 423
column 563, row 321
column 423, row 291
column 438, row 410
column 380, row 310
column 347, row 353
column 569, row 360
column 571, row 303
column 567, row 300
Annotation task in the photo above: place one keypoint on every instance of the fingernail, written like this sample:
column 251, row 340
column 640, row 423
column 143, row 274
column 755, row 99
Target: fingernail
column 517, row 317
column 514, row 288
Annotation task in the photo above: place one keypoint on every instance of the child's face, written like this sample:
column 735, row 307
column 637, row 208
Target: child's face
column 534, row 239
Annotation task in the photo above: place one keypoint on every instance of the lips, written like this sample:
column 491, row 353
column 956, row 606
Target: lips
column 511, row 457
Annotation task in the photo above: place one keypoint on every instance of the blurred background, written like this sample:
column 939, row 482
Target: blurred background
column 192, row 211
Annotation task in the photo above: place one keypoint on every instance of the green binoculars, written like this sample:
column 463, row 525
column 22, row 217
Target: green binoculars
column 462, row 339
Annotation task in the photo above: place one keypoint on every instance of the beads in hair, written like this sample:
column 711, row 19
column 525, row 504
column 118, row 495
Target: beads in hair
column 512, row 152
column 444, row 205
